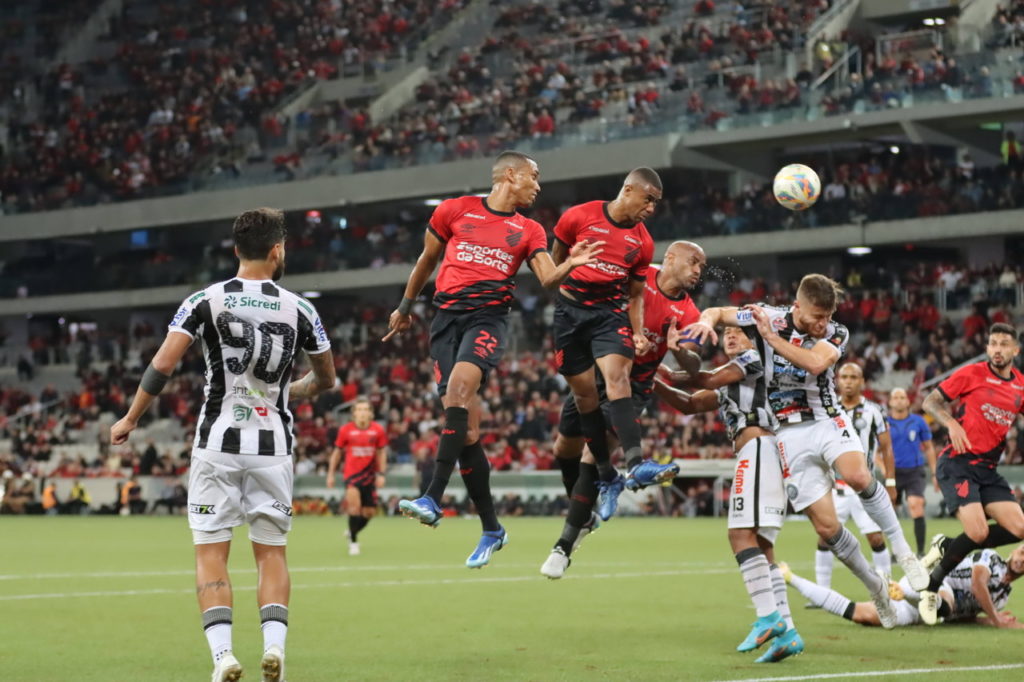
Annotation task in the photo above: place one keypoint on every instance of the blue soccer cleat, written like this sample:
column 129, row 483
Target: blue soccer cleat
column 785, row 645
column 608, row 496
column 649, row 472
column 490, row 542
column 424, row 510
column 764, row 629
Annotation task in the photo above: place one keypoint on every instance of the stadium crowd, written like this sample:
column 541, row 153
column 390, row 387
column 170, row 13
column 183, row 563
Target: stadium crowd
column 185, row 82
column 870, row 185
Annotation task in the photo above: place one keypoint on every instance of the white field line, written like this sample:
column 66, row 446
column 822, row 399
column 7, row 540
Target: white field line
column 340, row 569
column 370, row 583
column 882, row 673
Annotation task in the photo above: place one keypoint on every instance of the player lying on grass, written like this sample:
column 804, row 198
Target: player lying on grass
column 757, row 503
column 979, row 586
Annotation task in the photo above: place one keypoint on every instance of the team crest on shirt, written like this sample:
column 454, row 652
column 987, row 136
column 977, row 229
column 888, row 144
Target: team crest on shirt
column 512, row 237
column 791, row 491
column 632, row 255
column 778, row 324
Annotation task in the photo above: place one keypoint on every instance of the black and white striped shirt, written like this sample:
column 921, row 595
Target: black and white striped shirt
column 795, row 394
column 252, row 330
column 869, row 420
column 965, row 604
column 745, row 403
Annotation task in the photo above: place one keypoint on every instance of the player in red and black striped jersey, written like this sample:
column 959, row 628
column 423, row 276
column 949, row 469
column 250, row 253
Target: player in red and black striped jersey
column 990, row 396
column 668, row 308
column 483, row 241
column 599, row 318
column 363, row 444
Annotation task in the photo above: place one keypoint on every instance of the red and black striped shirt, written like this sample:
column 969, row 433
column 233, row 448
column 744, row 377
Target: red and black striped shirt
column 484, row 249
column 626, row 255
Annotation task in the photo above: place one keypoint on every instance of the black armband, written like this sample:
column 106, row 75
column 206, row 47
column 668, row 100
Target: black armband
column 405, row 307
column 153, row 380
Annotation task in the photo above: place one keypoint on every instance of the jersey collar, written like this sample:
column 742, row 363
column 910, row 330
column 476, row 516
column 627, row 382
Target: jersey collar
column 503, row 214
column 608, row 217
column 996, row 374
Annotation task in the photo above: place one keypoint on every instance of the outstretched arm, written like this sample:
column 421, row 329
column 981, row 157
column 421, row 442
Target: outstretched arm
column 159, row 371
column 401, row 318
column 332, row 466
column 704, row 328
column 979, row 587
column 814, row 360
column 551, row 275
column 687, row 403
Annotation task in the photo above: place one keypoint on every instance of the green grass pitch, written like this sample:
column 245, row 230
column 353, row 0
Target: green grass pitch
column 111, row 598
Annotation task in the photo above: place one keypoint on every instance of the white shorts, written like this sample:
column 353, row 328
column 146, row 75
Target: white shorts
column 225, row 490
column 808, row 452
column 757, row 499
column 848, row 505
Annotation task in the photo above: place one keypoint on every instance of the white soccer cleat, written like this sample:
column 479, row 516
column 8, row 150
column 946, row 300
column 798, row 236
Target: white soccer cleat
column 557, row 562
column 883, row 605
column 934, row 553
column 227, row 669
column 353, row 549
column 928, row 607
column 272, row 664
column 916, row 574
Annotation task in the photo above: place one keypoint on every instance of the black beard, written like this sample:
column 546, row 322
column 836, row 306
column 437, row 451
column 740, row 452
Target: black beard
column 1003, row 365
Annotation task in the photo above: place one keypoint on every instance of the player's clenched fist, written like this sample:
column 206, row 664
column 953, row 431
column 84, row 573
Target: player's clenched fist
column 397, row 324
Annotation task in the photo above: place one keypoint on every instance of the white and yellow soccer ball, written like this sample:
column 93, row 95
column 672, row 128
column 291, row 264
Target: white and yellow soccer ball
column 796, row 187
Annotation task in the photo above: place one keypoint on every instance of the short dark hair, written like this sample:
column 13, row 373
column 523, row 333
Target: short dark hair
column 362, row 399
column 255, row 232
column 820, row 291
column 645, row 174
column 1004, row 328
column 507, row 159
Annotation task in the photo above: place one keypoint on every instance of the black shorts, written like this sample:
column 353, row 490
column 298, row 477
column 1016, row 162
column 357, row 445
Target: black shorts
column 584, row 334
column 910, row 482
column 477, row 336
column 367, row 490
column 569, row 424
column 963, row 483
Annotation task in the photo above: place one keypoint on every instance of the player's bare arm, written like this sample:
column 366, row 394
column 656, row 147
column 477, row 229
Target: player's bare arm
column 888, row 463
column 687, row 403
column 938, row 407
column 703, row 329
column 171, row 351
column 685, row 353
column 814, row 360
column 332, row 466
column 382, row 466
column 725, row 375
column 559, row 252
column 636, row 317
column 551, row 275
column 320, row 378
column 929, row 454
column 401, row 317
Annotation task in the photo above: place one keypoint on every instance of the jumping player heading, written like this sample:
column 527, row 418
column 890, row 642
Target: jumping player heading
column 599, row 319
column 483, row 241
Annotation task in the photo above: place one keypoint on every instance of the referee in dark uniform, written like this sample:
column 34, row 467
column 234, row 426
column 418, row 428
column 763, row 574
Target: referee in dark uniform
column 911, row 444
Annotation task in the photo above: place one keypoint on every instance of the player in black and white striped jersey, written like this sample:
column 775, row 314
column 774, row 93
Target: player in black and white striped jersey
column 979, row 585
column 869, row 420
column 757, row 502
column 251, row 330
column 801, row 345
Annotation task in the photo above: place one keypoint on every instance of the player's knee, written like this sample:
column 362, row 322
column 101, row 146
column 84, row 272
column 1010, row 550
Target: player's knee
column 876, row 542
column 978, row 532
column 209, row 537
column 618, row 387
column 264, row 531
column 742, row 538
column 859, row 479
column 826, row 529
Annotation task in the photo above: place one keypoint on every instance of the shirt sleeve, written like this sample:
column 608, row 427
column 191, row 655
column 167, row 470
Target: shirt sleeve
column 441, row 220
column 342, row 438
column 318, row 341
column 923, row 432
column 567, row 227
column 538, row 241
column 957, row 383
column 643, row 262
column 187, row 320
column 382, row 437
column 838, row 338
column 745, row 318
column 750, row 362
column 883, row 423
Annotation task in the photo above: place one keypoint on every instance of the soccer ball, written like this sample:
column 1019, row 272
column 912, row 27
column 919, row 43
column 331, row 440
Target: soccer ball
column 796, row 187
